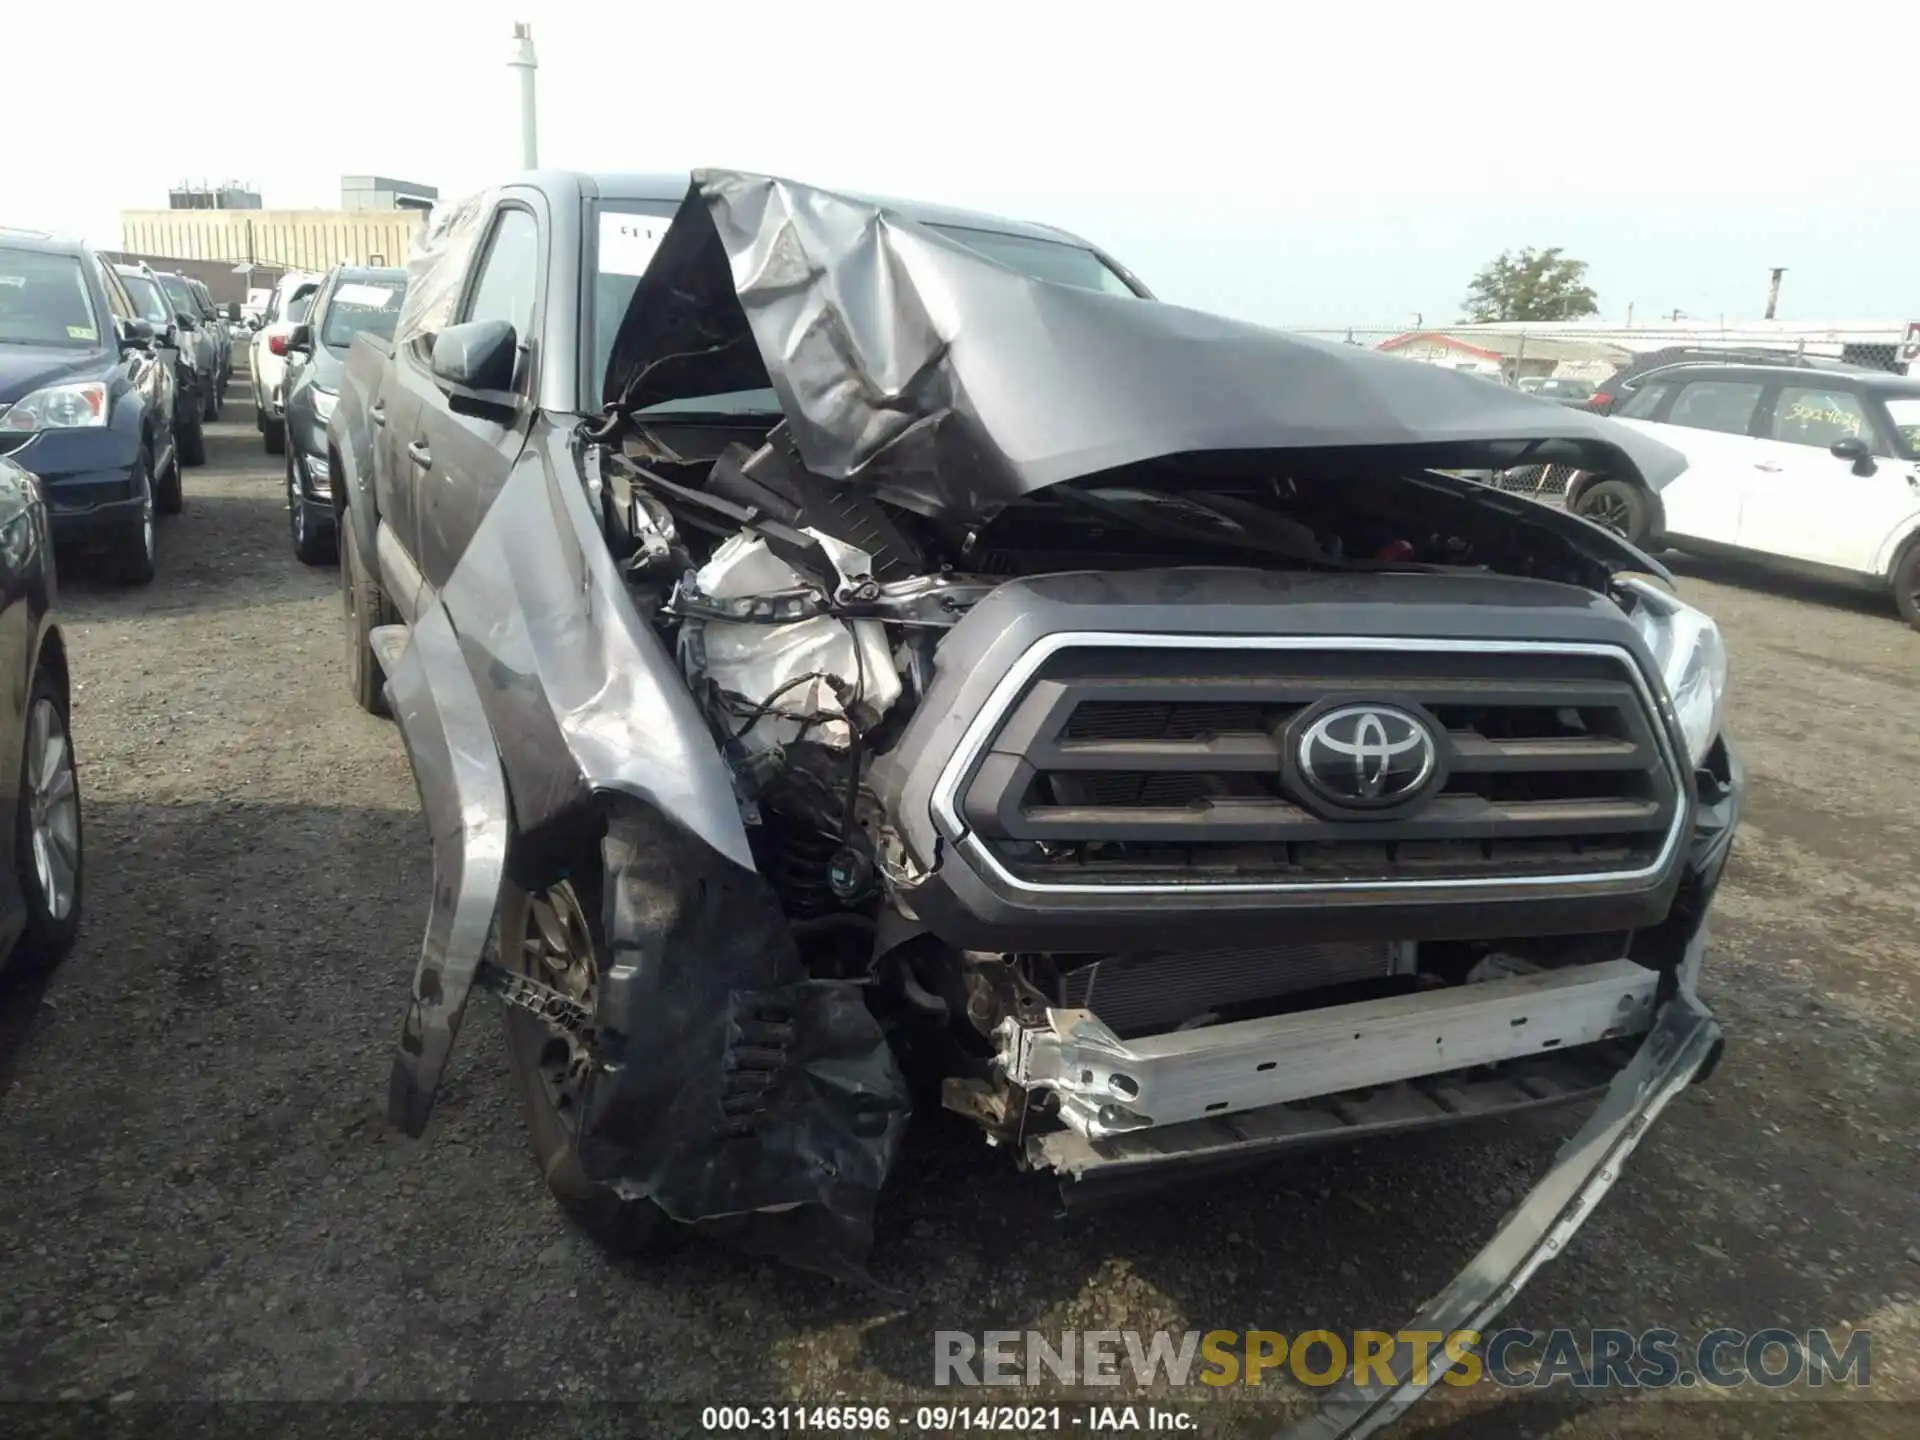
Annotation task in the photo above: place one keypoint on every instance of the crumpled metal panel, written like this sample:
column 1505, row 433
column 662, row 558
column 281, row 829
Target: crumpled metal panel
column 733, row 1088
column 438, row 265
column 953, row 384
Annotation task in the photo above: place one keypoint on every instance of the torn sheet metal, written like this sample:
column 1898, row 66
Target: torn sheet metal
column 953, row 384
column 734, row 1090
column 438, row 265
column 1683, row 1042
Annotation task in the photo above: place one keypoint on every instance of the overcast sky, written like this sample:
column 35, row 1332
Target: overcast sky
column 1299, row 164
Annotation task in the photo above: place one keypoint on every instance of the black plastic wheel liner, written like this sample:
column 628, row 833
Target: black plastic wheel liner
column 737, row 1091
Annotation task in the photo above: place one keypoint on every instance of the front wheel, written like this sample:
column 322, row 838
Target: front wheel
column 1906, row 583
column 554, row 937
column 46, row 833
column 211, row 407
column 309, row 541
column 1619, row 506
column 130, row 554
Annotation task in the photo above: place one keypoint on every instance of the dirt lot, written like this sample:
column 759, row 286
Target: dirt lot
column 202, row 1199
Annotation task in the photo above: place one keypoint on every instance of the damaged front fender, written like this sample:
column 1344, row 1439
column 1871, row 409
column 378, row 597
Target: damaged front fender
column 464, row 797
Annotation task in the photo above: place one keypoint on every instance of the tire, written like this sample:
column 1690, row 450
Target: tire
column 46, row 816
column 191, row 444
column 310, row 547
column 364, row 608
column 619, row 1225
column 273, row 434
column 1620, row 506
column 1906, row 583
column 168, row 495
column 210, row 404
column 130, row 554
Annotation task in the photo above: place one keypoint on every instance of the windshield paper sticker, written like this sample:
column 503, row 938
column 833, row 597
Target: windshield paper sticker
column 627, row 242
column 82, row 332
column 373, row 297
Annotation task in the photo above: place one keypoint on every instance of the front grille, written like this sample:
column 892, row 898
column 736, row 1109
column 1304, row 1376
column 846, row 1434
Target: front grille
column 1134, row 766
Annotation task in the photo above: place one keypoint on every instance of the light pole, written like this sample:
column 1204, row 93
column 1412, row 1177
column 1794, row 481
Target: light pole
column 522, row 58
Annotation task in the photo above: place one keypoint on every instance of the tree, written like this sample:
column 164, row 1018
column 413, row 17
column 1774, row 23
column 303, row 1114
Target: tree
column 1532, row 285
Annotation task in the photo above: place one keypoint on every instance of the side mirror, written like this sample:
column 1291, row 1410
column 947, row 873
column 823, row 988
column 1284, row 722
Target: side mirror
column 300, row 340
column 1855, row 451
column 135, row 333
column 480, row 355
column 233, row 311
column 186, row 321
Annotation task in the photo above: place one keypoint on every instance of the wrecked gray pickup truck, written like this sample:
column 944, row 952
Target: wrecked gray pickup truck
column 854, row 656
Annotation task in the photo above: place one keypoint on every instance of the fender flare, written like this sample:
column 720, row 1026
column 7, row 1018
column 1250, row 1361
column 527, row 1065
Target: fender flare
column 463, row 793
column 1896, row 545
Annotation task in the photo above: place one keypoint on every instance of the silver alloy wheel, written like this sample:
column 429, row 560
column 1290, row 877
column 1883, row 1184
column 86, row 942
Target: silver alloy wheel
column 556, row 948
column 296, row 507
column 146, row 513
column 53, row 808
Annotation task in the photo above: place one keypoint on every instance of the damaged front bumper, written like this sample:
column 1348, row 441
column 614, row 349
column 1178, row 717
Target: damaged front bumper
column 1682, row 1046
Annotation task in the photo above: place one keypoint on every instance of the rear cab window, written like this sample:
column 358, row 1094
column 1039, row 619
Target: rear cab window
column 1641, row 404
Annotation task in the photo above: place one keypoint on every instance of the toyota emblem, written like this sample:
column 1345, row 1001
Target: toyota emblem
column 1368, row 756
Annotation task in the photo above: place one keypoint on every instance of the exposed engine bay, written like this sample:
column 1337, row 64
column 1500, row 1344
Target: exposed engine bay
column 810, row 622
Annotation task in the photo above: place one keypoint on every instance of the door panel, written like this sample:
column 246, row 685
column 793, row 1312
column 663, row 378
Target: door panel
column 1704, row 500
column 1805, row 503
column 406, row 388
column 461, row 461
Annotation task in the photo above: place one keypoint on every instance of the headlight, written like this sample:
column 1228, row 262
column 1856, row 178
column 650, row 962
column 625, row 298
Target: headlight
column 1687, row 647
column 60, row 407
column 323, row 403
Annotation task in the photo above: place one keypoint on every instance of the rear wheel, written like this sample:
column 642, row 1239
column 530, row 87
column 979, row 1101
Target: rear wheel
column 365, row 608
column 46, row 835
column 1620, row 506
column 210, row 409
column 1906, row 584
column 274, row 433
column 167, row 494
column 554, row 937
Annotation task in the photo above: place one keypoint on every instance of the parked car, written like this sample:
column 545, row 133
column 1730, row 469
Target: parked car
column 1564, row 391
column 351, row 300
column 86, row 402
column 196, row 341
column 838, row 639
column 1817, row 469
column 214, row 322
column 1617, row 389
column 41, row 881
column 189, row 423
column 267, row 354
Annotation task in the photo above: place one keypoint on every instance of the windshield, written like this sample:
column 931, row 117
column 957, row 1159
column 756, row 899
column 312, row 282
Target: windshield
column 361, row 305
column 1905, row 413
column 153, row 306
column 629, row 231
column 1578, row 389
column 44, row 301
column 179, row 296
column 1060, row 261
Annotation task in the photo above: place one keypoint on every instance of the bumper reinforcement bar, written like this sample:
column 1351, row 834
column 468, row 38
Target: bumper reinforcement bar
column 1684, row 1041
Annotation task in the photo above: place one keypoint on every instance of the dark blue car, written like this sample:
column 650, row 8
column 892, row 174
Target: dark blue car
column 86, row 400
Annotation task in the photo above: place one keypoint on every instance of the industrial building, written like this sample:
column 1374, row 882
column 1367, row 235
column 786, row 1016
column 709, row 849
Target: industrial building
column 376, row 224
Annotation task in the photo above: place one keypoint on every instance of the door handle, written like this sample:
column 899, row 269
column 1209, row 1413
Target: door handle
column 1766, row 465
column 420, row 454
column 378, row 412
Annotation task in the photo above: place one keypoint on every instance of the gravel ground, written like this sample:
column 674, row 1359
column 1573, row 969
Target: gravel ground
column 203, row 1201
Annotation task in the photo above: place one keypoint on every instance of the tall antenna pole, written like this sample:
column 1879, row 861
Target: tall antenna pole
column 522, row 58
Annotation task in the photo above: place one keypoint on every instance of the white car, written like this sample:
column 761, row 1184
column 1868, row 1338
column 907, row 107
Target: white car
column 267, row 355
column 1817, row 469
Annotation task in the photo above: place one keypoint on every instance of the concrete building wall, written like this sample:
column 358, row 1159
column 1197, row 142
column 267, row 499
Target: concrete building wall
column 293, row 239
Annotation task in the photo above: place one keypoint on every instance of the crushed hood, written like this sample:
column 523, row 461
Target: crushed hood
column 952, row 384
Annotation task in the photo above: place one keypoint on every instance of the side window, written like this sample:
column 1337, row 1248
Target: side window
column 1804, row 415
column 1723, row 405
column 508, row 282
column 117, row 299
column 1644, row 401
